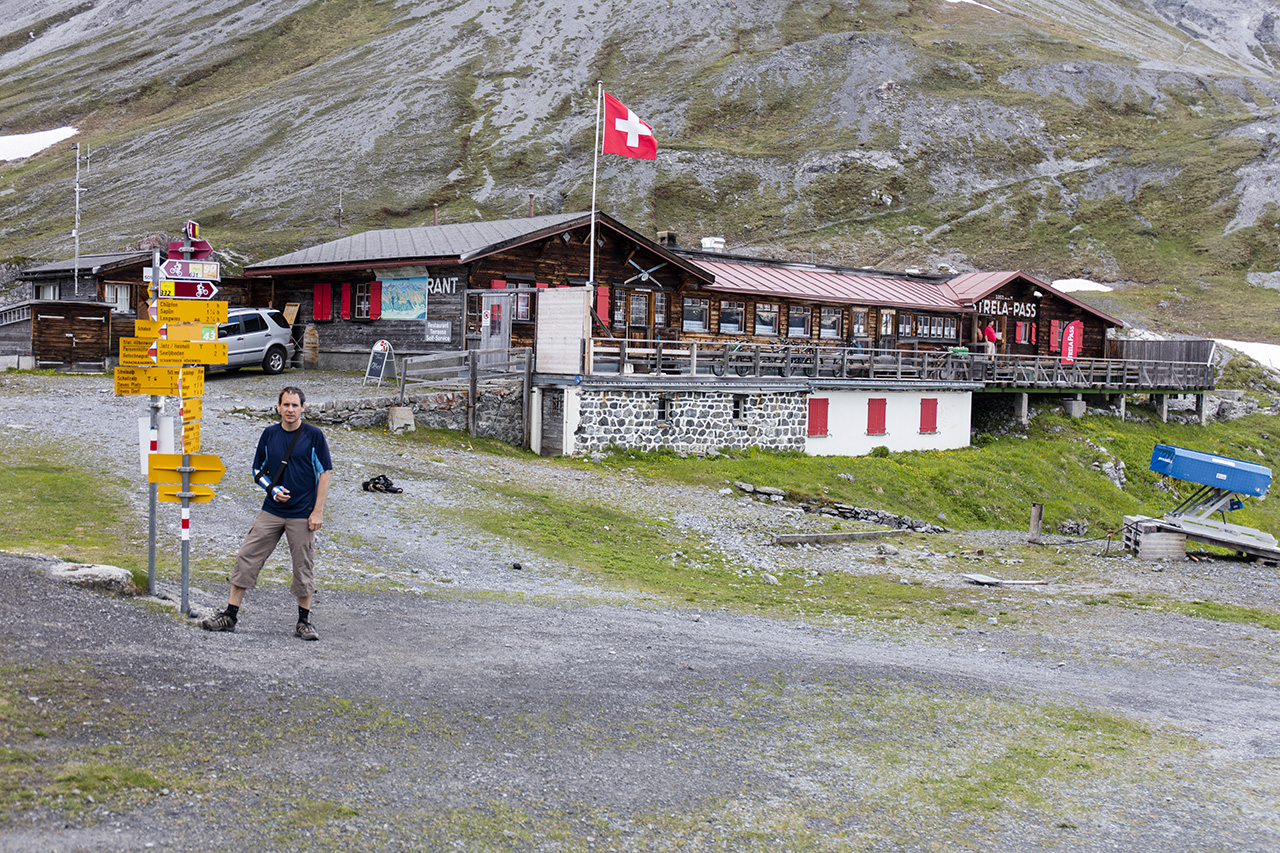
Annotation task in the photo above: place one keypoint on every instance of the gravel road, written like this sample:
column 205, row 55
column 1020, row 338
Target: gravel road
column 456, row 703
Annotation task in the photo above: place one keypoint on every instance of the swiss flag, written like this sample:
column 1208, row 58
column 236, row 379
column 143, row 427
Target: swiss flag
column 625, row 133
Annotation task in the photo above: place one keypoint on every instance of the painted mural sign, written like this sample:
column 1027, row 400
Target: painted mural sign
column 406, row 298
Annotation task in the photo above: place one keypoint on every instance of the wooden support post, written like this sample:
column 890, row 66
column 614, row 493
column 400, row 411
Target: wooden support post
column 473, row 371
column 1022, row 408
column 1037, row 521
column 1162, row 406
column 527, row 394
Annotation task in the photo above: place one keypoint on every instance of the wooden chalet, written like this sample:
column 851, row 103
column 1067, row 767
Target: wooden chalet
column 112, row 282
column 462, row 286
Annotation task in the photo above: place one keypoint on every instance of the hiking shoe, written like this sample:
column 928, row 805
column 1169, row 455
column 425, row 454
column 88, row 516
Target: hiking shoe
column 218, row 622
column 305, row 631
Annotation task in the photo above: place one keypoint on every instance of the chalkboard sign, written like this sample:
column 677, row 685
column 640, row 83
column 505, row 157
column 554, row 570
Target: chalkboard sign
column 380, row 356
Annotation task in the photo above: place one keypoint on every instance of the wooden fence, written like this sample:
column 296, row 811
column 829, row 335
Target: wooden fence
column 711, row 358
column 469, row 368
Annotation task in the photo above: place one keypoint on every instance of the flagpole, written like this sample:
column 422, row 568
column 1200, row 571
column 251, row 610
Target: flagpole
column 595, row 166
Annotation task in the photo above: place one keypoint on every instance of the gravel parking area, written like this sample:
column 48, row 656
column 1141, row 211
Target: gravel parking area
column 455, row 702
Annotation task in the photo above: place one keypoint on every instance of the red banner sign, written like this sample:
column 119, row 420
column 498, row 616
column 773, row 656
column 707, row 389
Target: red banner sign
column 1072, row 340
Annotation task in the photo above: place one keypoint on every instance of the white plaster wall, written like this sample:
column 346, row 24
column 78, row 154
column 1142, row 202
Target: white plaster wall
column 847, row 422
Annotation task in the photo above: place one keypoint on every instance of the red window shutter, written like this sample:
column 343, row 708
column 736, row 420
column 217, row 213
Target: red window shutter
column 322, row 302
column 375, row 300
column 541, row 284
column 929, row 415
column 875, row 416
column 818, row 407
column 1020, row 334
column 497, row 284
column 602, row 303
column 1055, row 335
column 346, row 300
column 1033, row 332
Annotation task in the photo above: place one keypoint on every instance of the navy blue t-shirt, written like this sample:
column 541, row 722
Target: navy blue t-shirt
column 310, row 459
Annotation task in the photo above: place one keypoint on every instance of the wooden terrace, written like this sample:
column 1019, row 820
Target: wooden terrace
column 994, row 371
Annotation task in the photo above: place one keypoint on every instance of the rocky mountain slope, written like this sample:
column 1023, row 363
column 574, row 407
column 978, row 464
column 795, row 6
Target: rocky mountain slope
column 1131, row 143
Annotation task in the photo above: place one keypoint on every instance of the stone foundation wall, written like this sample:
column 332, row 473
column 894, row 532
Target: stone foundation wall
column 697, row 422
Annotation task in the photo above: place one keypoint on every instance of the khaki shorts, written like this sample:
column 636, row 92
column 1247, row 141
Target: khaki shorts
column 261, row 540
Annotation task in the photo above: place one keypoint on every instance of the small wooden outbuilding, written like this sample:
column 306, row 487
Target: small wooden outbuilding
column 43, row 333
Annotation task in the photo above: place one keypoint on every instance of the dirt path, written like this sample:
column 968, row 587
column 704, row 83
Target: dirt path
column 488, row 708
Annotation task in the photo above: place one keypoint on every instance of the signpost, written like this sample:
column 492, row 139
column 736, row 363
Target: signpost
column 177, row 493
column 173, row 340
column 188, row 289
column 173, row 311
column 141, row 351
column 155, row 330
column 203, row 469
column 158, row 381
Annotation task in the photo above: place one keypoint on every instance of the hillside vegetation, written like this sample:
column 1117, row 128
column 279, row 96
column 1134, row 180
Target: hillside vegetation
column 1023, row 135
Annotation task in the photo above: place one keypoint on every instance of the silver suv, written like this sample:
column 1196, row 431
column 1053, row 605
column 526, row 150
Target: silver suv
column 257, row 336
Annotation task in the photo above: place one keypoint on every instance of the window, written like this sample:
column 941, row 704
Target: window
column 818, row 408
column 875, row 416
column 1025, row 333
column 695, row 314
column 363, row 304
column 886, row 324
column 929, row 416
column 660, row 309
column 859, row 326
column 905, row 325
column 739, row 406
column 766, row 318
column 829, row 324
column 46, row 291
column 732, row 316
column 524, row 306
column 664, row 407
column 253, row 323
column 618, row 307
column 639, row 313
column 118, row 295
column 798, row 320
column 950, row 328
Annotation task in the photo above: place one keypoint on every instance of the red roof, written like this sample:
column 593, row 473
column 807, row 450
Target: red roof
column 971, row 287
column 798, row 281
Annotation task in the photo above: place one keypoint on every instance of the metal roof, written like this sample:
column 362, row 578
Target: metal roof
column 88, row 263
column 971, row 287
column 800, row 281
column 457, row 242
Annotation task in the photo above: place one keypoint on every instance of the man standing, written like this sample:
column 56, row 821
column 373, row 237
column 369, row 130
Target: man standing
column 293, row 465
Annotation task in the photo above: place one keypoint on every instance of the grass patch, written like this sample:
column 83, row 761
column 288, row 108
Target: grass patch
column 50, row 506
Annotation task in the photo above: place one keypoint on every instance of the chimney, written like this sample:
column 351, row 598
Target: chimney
column 667, row 239
column 713, row 244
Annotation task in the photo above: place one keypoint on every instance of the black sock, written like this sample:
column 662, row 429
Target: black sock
column 304, row 615
column 232, row 610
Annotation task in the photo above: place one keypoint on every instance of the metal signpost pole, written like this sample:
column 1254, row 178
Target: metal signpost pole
column 152, row 293
column 186, row 466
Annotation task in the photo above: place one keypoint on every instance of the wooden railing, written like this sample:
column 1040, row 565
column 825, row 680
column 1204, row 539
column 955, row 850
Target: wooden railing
column 762, row 361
